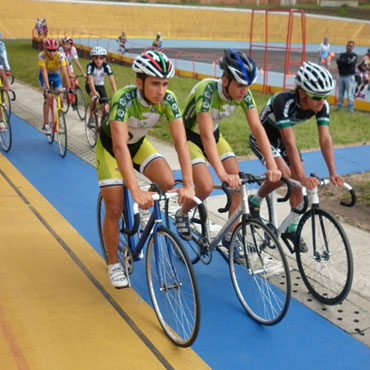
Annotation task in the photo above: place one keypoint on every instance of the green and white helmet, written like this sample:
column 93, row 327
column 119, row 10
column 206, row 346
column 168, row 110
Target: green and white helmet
column 155, row 64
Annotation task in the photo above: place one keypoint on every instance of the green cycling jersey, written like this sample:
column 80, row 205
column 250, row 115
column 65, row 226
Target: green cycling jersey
column 128, row 105
column 207, row 96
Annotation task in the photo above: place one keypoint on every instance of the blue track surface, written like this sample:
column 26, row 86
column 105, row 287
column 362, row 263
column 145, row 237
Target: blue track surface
column 228, row 338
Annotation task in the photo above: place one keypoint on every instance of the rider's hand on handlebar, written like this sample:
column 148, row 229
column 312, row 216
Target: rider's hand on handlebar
column 144, row 199
column 273, row 175
column 233, row 181
column 186, row 194
column 309, row 182
column 337, row 180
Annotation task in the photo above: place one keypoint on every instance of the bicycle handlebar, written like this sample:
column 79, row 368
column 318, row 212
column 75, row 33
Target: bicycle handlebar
column 10, row 91
column 250, row 178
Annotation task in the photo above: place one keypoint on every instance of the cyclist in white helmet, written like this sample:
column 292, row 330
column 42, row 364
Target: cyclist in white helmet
column 123, row 146
column 210, row 101
column 285, row 110
column 96, row 71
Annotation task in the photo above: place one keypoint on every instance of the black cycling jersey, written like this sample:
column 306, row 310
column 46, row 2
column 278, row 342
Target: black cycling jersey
column 283, row 110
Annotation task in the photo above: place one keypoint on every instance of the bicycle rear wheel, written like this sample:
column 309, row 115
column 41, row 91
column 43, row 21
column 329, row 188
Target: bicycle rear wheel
column 6, row 132
column 172, row 287
column 91, row 132
column 260, row 273
column 81, row 103
column 124, row 254
column 327, row 267
column 62, row 133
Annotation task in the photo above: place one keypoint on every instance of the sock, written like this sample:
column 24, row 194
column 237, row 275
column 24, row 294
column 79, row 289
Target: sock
column 228, row 235
column 293, row 226
column 256, row 200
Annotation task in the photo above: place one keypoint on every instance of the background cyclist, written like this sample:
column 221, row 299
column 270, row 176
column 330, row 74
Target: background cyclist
column 122, row 39
column 51, row 62
column 157, row 43
column 123, row 146
column 71, row 55
column 6, row 85
column 96, row 71
column 285, row 110
column 210, row 101
column 4, row 57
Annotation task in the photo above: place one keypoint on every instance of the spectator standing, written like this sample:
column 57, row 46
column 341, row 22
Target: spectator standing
column 324, row 53
column 346, row 82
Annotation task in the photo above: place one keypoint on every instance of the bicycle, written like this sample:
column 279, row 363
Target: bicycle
column 78, row 101
column 100, row 115
column 169, row 272
column 258, row 267
column 327, row 267
column 6, row 132
column 57, row 122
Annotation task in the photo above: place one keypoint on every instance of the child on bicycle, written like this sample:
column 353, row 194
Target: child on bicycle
column 6, row 87
column 96, row 71
column 4, row 57
column 282, row 112
column 210, row 101
column 51, row 62
column 71, row 55
column 123, row 146
column 362, row 75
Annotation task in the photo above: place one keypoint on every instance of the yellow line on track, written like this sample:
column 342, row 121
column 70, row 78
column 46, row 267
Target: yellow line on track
column 58, row 309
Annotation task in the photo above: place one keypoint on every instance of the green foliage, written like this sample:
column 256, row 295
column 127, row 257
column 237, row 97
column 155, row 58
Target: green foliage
column 346, row 128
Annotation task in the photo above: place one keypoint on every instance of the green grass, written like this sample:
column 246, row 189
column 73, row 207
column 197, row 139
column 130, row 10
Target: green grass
column 346, row 128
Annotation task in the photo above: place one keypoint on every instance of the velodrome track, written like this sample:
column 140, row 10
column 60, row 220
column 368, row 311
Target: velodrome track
column 58, row 310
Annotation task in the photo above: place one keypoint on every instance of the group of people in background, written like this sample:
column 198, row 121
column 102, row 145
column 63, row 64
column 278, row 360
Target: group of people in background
column 353, row 79
column 122, row 40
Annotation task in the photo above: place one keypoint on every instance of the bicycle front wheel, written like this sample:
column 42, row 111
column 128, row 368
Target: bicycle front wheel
column 6, row 131
column 172, row 287
column 62, row 133
column 327, row 267
column 91, row 131
column 259, row 272
column 81, row 103
column 6, row 102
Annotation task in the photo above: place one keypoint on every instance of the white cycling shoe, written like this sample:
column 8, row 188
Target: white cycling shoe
column 117, row 276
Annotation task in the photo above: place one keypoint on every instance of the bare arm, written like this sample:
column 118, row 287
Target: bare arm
column 78, row 64
column 259, row 133
column 123, row 157
column 45, row 76
column 113, row 83
column 326, row 145
column 179, row 137
column 5, row 80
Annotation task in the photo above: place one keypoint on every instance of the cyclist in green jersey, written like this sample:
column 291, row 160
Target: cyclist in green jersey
column 209, row 102
column 122, row 146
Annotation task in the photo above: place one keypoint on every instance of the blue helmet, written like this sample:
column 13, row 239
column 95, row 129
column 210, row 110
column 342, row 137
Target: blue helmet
column 239, row 67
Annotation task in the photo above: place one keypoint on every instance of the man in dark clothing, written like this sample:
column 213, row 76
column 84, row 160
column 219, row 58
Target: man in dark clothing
column 346, row 82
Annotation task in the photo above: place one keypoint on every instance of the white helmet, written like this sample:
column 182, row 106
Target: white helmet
column 314, row 79
column 98, row 51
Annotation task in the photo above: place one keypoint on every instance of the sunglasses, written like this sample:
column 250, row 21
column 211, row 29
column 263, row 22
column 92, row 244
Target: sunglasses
column 316, row 97
column 52, row 50
column 101, row 58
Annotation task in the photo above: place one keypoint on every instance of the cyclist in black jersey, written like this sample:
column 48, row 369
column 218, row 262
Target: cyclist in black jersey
column 122, row 146
column 285, row 110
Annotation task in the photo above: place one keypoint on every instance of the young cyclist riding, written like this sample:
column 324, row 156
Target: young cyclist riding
column 209, row 102
column 123, row 146
column 51, row 61
column 285, row 110
column 96, row 71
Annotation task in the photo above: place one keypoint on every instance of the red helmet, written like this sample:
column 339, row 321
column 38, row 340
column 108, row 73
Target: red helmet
column 68, row 39
column 50, row 44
